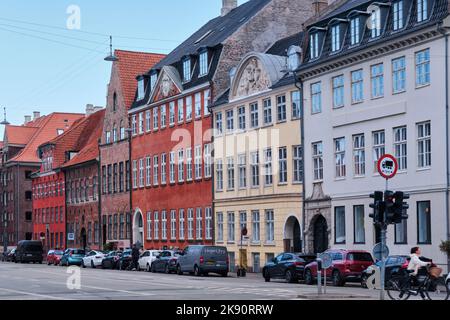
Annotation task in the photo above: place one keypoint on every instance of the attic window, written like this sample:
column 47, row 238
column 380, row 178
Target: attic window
column 354, row 31
column 141, row 90
column 203, row 37
column 314, row 45
column 398, row 15
column 335, row 38
column 203, row 63
column 422, row 10
column 187, row 70
column 153, row 78
column 375, row 23
column 59, row 131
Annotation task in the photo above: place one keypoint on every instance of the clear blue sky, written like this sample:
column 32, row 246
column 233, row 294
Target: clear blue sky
column 48, row 76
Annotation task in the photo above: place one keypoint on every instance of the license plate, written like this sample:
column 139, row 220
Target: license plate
column 210, row 263
column 29, row 255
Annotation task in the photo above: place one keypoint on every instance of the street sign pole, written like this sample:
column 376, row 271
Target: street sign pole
column 325, row 281
column 383, row 260
column 319, row 277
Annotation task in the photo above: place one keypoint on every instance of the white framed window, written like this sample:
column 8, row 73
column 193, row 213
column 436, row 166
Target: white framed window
column 242, row 163
column 141, row 89
column 156, row 225
column 255, row 227
column 296, row 105
column 268, row 175
column 148, row 120
column 219, row 175
column 219, row 124
column 155, row 170
column 339, row 225
column 335, row 38
column 270, row 226
column 208, row 160
column 187, row 70
column 108, row 137
column 297, row 160
column 149, row 226
column 206, row 97
column 359, row 154
column 189, row 108
column 189, row 164
column 163, row 225
column 181, row 224
column 338, row 91
column 190, row 224
column 358, row 225
column 339, row 155
column 141, row 123
column 254, row 117
column 422, row 10
column 317, row 157
column 397, row 13
column 199, row 224
column 230, row 173
column 354, row 31
column 173, row 224
column 208, row 223
column 357, row 86
column 424, row 144
column 198, row 105
column 180, row 106
column 163, row 116
column 231, row 227
column 155, row 118
column 241, row 118
column 282, row 166
column 203, row 59
column 198, row 162
column 316, row 97
column 172, row 113
column 135, row 181
column 281, row 108
column 377, row 80
column 401, row 148
column 379, row 147
column 375, row 23
column 141, row 173
column 133, row 125
column 153, row 79
column 180, row 165
column 148, row 171
column 230, row 120
column 172, row 167
column 255, row 168
column 267, row 111
column 219, row 226
column 314, row 45
column 423, row 68
column 399, row 75
column 163, row 168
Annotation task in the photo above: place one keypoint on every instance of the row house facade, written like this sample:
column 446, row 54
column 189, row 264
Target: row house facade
column 81, row 171
column 172, row 125
column 115, row 147
column 19, row 161
column 258, row 157
column 374, row 81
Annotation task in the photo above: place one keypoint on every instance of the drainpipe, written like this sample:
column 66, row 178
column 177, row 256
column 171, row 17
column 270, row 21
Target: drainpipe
column 99, row 198
column 299, row 85
column 130, row 183
column 18, row 204
column 213, row 215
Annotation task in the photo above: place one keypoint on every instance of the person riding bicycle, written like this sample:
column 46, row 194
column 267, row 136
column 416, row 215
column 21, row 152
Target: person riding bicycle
column 417, row 262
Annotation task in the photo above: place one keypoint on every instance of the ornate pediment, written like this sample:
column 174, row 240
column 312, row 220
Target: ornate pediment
column 168, row 84
column 253, row 79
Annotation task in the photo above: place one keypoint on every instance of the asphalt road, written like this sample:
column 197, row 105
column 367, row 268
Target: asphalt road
column 42, row 282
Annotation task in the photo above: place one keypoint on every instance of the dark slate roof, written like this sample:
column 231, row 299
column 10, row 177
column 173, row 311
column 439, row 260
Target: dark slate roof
column 280, row 47
column 438, row 13
column 288, row 79
column 223, row 99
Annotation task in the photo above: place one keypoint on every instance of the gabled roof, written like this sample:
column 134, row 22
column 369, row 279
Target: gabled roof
column 19, row 135
column 47, row 129
column 130, row 65
column 89, row 137
column 280, row 47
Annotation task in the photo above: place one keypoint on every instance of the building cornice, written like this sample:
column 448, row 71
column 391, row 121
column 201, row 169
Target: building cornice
column 279, row 197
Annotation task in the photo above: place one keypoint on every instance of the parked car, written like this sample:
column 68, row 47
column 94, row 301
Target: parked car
column 125, row 260
column 110, row 261
column 93, row 259
column 347, row 265
column 165, row 262
column 201, row 260
column 11, row 257
column 289, row 266
column 29, row 251
column 394, row 265
column 147, row 258
column 54, row 256
column 72, row 257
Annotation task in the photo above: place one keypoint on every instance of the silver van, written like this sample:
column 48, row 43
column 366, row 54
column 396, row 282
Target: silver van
column 201, row 260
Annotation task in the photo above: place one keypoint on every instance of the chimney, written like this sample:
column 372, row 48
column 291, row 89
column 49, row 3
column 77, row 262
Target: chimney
column 319, row 6
column 36, row 114
column 27, row 119
column 227, row 6
column 89, row 109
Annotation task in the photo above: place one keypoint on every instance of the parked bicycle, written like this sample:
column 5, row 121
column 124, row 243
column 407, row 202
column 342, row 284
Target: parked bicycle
column 432, row 286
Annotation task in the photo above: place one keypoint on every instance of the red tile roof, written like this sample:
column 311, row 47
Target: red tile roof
column 87, row 142
column 130, row 65
column 46, row 129
column 19, row 135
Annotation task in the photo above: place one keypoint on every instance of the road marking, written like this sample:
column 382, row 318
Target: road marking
column 34, row 294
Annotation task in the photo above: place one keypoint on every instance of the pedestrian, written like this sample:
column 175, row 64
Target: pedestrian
column 135, row 257
column 417, row 262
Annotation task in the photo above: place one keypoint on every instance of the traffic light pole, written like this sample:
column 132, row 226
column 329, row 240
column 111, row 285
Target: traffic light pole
column 383, row 245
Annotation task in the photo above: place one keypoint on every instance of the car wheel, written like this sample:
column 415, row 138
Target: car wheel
column 364, row 281
column 92, row 264
column 289, row 276
column 82, row 264
column 166, row 270
column 337, row 279
column 147, row 268
column 153, row 268
column 309, row 277
column 197, row 272
column 179, row 272
column 266, row 275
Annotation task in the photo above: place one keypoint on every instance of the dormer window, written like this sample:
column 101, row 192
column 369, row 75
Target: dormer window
column 153, row 78
column 335, row 38
column 141, row 89
column 354, row 31
column 203, row 63
column 375, row 23
column 397, row 11
column 293, row 58
column 187, row 70
column 314, row 45
column 422, row 10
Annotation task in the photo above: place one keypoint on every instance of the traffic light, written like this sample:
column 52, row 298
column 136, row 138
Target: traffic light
column 377, row 206
column 400, row 207
column 389, row 206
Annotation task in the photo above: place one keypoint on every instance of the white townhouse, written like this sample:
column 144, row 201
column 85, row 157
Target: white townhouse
column 375, row 79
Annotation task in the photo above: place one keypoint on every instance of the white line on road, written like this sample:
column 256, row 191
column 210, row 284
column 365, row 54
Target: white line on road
column 37, row 295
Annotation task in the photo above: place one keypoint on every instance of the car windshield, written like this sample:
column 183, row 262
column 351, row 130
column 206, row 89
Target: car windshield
column 78, row 252
column 59, row 253
column 359, row 256
column 155, row 253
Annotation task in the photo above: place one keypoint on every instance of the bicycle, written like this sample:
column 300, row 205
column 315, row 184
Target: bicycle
column 401, row 287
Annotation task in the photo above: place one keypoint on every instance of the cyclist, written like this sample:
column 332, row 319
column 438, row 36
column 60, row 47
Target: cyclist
column 416, row 265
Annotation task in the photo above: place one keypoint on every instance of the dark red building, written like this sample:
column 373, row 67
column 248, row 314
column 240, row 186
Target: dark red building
column 114, row 148
column 81, row 173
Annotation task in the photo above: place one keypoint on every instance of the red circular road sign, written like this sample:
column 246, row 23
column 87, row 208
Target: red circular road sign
column 387, row 166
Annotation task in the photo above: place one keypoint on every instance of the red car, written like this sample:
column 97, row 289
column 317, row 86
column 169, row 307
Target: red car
column 54, row 256
column 348, row 265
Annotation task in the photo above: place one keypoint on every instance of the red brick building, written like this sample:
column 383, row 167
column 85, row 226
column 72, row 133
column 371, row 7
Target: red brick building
column 114, row 148
column 18, row 161
column 82, row 186
column 171, row 122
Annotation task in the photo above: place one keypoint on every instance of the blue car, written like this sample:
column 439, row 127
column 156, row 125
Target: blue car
column 72, row 257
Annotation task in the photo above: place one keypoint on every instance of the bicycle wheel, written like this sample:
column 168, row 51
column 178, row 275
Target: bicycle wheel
column 398, row 289
column 437, row 290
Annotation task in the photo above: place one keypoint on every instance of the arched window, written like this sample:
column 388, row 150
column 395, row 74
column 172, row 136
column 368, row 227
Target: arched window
column 114, row 133
column 122, row 130
column 115, row 101
column 107, row 136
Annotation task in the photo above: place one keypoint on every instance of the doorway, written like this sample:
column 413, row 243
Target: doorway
column 320, row 234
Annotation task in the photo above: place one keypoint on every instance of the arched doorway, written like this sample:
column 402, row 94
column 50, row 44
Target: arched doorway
column 138, row 227
column 320, row 234
column 292, row 235
column 83, row 238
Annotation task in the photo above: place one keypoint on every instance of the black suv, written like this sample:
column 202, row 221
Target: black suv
column 289, row 266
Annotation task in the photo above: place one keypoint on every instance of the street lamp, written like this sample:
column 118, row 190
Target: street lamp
column 111, row 56
column 4, row 122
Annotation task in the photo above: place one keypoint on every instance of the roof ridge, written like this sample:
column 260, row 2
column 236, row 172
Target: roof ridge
column 139, row 52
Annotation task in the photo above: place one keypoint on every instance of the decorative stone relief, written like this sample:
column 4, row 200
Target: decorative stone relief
column 253, row 79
